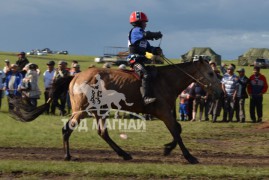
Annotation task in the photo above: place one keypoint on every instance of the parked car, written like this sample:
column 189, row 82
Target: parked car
column 47, row 50
column 262, row 63
column 37, row 52
column 63, row 52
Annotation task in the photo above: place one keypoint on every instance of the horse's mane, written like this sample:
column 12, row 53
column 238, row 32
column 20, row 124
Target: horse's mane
column 180, row 65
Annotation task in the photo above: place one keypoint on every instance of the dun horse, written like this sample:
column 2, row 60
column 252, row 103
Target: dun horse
column 86, row 88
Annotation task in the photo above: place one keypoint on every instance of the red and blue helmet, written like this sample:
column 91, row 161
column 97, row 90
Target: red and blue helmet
column 138, row 17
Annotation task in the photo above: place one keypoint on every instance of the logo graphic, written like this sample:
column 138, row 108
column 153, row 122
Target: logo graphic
column 99, row 98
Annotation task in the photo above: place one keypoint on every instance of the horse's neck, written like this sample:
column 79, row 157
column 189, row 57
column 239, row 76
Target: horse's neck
column 176, row 78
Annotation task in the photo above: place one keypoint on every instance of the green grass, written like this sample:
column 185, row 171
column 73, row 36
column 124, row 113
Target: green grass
column 213, row 138
column 199, row 137
column 46, row 132
column 129, row 170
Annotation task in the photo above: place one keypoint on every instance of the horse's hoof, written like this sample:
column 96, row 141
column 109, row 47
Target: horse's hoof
column 167, row 151
column 127, row 157
column 67, row 158
column 191, row 159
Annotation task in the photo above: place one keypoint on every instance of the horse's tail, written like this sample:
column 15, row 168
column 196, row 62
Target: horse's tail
column 21, row 110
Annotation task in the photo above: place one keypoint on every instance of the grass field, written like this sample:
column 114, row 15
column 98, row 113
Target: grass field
column 225, row 150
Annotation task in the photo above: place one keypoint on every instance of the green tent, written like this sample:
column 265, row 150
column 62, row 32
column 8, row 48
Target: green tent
column 201, row 51
column 251, row 55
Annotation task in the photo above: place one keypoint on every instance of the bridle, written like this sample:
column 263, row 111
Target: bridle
column 198, row 80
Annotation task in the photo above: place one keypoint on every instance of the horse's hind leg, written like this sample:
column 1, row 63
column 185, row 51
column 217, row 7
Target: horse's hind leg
column 67, row 131
column 175, row 129
column 102, row 131
column 169, row 147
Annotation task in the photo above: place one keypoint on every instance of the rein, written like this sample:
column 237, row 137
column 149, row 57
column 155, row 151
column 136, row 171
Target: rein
column 180, row 69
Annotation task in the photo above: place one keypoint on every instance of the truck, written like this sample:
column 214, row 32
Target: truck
column 114, row 55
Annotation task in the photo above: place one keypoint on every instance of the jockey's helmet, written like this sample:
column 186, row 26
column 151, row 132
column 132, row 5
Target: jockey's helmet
column 137, row 17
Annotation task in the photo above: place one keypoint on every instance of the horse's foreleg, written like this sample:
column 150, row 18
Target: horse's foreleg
column 190, row 158
column 175, row 129
column 102, row 131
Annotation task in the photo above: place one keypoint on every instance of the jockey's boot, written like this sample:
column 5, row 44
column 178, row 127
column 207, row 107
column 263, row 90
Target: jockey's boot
column 146, row 93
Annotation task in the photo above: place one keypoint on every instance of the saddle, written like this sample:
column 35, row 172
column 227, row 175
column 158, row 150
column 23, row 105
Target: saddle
column 151, row 69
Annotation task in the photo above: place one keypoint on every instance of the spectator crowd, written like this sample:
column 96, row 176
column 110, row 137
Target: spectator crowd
column 236, row 88
column 21, row 80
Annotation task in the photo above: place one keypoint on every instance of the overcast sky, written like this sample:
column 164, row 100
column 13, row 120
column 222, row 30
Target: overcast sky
column 85, row 27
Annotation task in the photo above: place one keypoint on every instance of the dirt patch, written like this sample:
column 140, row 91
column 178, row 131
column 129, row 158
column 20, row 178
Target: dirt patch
column 264, row 125
column 154, row 156
column 142, row 156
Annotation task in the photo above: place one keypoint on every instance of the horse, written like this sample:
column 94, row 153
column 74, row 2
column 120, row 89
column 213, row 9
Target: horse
column 167, row 84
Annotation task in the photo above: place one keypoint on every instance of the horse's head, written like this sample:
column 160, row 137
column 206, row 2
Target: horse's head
column 206, row 77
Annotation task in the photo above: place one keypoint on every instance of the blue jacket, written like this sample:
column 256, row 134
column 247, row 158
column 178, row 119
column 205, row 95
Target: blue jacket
column 139, row 42
column 17, row 83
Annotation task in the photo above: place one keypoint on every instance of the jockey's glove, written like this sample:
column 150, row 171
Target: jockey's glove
column 153, row 35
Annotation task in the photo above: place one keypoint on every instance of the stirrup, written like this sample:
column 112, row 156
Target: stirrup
column 148, row 100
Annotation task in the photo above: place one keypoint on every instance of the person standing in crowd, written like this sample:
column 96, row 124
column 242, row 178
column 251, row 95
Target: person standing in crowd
column 21, row 62
column 256, row 88
column 183, row 105
column 241, row 96
column 213, row 65
column 190, row 101
column 199, row 96
column 107, row 65
column 223, row 68
column 61, row 72
column 6, row 69
column 122, row 67
column 229, row 87
column 74, row 62
column 12, row 82
column 29, row 85
column 75, row 70
column 215, row 104
column 48, row 80
column 72, row 70
column 2, row 80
